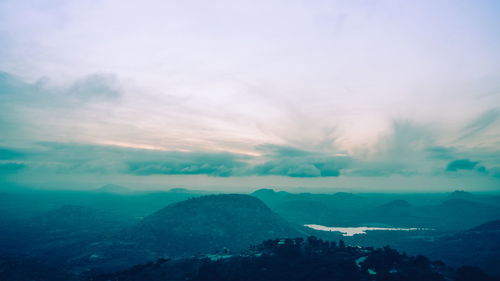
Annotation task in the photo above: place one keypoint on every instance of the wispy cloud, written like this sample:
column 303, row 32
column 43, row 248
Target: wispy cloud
column 482, row 123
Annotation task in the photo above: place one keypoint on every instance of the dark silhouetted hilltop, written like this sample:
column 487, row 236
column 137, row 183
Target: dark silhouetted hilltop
column 460, row 194
column 207, row 223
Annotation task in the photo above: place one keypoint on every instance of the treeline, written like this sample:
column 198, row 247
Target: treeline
column 300, row 259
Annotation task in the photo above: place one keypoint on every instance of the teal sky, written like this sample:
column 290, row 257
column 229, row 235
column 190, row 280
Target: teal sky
column 236, row 95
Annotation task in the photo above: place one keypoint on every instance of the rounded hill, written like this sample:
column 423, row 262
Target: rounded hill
column 209, row 223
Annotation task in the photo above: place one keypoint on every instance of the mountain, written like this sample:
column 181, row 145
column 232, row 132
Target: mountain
column 264, row 192
column 448, row 212
column 113, row 188
column 459, row 214
column 397, row 213
column 59, row 234
column 491, row 226
column 460, row 194
column 208, row 223
column 395, row 208
column 270, row 196
column 305, row 211
column 304, row 208
column 478, row 246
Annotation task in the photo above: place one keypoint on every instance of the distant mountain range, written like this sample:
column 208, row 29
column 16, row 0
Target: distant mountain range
column 454, row 211
column 109, row 231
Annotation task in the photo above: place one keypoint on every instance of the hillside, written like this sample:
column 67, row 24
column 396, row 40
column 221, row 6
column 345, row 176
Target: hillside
column 209, row 223
column 478, row 246
column 461, row 214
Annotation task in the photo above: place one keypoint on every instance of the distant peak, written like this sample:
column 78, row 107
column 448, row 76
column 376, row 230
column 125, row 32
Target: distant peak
column 113, row 188
column 398, row 203
column 264, row 191
column 179, row 190
column 345, row 196
column 460, row 194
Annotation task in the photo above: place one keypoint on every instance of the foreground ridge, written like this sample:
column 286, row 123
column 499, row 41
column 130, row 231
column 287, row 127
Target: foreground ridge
column 299, row 259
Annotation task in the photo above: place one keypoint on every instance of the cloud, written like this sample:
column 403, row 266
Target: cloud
column 10, row 167
column 381, row 169
column 33, row 111
column 402, row 151
column 461, row 164
column 481, row 124
column 188, row 163
column 95, row 87
column 277, row 160
column 12, row 86
column 71, row 158
column 406, row 141
column 283, row 151
column 440, row 152
column 495, row 172
column 293, row 162
column 8, row 154
column 286, row 168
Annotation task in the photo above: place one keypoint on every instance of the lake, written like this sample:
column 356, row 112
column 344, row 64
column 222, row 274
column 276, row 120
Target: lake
column 350, row 231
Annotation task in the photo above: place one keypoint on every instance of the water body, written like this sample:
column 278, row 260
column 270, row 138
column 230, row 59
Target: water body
column 351, row 231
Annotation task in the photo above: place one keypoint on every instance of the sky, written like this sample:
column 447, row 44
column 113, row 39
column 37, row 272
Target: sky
column 238, row 95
